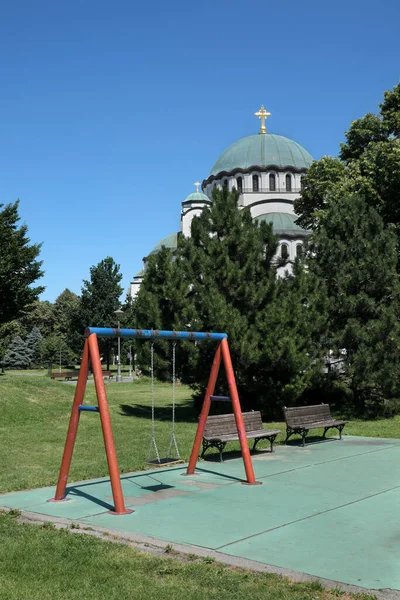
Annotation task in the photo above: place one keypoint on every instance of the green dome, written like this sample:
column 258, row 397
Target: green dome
column 197, row 197
column 263, row 150
column 282, row 224
column 170, row 242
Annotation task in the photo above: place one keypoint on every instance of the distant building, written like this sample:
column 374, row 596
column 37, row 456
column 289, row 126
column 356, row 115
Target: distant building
column 267, row 170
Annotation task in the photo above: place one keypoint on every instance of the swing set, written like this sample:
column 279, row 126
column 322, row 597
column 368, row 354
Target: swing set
column 91, row 358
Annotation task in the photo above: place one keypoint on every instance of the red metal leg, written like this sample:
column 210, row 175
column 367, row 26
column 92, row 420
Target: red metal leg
column 119, row 505
column 204, row 411
column 226, row 355
column 73, row 425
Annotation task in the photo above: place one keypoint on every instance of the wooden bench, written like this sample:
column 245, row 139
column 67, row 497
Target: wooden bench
column 64, row 375
column 300, row 419
column 221, row 429
column 108, row 374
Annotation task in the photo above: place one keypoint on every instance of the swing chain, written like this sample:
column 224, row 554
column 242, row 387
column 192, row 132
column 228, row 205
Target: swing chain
column 153, row 431
column 173, row 438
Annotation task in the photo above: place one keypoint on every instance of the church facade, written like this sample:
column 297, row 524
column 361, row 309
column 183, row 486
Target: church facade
column 267, row 170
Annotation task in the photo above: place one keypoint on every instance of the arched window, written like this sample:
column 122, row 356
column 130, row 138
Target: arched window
column 284, row 251
column 239, row 182
column 299, row 250
column 302, row 182
column 272, row 183
column 226, row 183
column 255, row 183
column 288, row 183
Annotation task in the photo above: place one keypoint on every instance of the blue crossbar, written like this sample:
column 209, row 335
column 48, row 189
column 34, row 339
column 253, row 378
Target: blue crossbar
column 88, row 408
column 221, row 398
column 154, row 334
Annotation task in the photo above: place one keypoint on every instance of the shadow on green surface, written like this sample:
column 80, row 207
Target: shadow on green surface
column 183, row 412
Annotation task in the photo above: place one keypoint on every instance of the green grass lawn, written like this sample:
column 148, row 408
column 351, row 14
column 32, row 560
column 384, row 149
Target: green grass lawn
column 42, row 563
column 34, row 419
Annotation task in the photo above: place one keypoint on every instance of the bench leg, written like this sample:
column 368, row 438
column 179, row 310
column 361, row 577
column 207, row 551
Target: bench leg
column 220, row 446
column 289, row 432
column 206, row 445
column 340, row 428
column 304, row 435
column 270, row 438
column 325, row 430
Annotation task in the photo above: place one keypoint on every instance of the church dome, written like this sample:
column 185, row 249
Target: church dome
column 197, row 197
column 262, row 150
column 170, row 242
column 282, row 224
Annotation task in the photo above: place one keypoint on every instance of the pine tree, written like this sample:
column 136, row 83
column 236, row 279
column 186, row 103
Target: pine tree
column 32, row 341
column 163, row 303
column 355, row 255
column 19, row 355
column 223, row 279
column 19, row 268
column 229, row 264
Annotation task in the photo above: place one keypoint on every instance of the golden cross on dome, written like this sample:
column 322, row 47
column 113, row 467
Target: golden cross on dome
column 197, row 184
column 262, row 114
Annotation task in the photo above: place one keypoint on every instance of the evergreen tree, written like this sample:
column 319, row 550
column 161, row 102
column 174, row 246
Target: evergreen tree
column 229, row 265
column 33, row 344
column 163, row 303
column 19, row 268
column 223, row 278
column 99, row 299
column 19, row 355
column 293, row 341
column 355, row 255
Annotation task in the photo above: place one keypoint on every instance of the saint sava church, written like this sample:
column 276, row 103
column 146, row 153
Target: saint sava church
column 267, row 170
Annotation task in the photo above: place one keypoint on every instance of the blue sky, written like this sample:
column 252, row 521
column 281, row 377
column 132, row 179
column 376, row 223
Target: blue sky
column 111, row 110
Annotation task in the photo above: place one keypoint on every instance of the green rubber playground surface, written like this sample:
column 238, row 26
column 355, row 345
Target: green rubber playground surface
column 330, row 510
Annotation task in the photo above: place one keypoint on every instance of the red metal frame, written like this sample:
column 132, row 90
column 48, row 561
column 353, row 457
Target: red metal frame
column 223, row 353
column 91, row 349
column 91, row 352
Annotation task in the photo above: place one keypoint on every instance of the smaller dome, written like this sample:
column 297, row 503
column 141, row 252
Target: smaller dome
column 197, row 197
column 170, row 242
column 283, row 224
column 139, row 274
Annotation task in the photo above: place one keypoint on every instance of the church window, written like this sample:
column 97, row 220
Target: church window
column 239, row 182
column 272, row 183
column 284, row 251
column 299, row 250
column 288, row 183
column 226, row 182
column 255, row 183
column 302, row 182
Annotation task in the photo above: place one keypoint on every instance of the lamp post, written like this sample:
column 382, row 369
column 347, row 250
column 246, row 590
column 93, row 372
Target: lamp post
column 119, row 314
